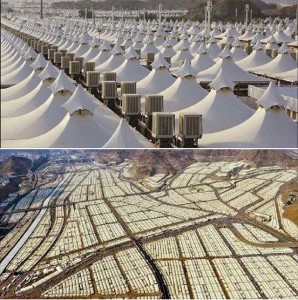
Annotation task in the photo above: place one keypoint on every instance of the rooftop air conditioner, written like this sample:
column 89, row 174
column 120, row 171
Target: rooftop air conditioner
column 51, row 53
column 128, row 87
column 74, row 68
column 44, row 49
column 65, row 62
column 57, row 57
column 64, row 52
column 92, row 79
column 109, row 90
column 131, row 104
column 190, row 126
column 55, row 47
column 80, row 60
column 109, row 76
column 89, row 66
column 71, row 56
column 163, row 125
column 153, row 103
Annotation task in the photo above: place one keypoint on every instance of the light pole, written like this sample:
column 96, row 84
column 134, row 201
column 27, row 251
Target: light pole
column 246, row 14
column 209, row 8
column 41, row 9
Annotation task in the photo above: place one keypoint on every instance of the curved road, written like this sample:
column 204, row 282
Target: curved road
column 11, row 254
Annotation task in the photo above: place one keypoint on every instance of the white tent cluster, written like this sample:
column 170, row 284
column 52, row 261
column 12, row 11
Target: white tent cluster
column 43, row 107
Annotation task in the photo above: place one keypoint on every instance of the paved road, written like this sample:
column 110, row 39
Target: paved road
column 10, row 255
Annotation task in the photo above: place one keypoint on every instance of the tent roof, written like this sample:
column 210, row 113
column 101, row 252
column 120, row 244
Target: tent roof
column 126, row 137
column 80, row 100
column 62, row 83
column 271, row 98
column 222, row 81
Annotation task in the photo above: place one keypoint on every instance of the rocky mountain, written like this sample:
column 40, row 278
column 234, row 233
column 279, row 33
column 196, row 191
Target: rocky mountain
column 15, row 166
column 149, row 162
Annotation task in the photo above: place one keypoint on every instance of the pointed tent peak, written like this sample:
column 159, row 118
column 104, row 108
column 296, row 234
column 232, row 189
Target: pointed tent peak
column 186, row 70
column 271, row 39
column 258, row 45
column 159, row 62
column 30, row 53
column 95, row 42
column 130, row 53
column 126, row 137
column 202, row 49
column 271, row 97
column 225, row 53
column 105, row 46
column 39, row 63
column 50, row 71
column 237, row 43
column 212, row 40
column 283, row 49
column 222, row 82
column 62, row 83
column 117, row 49
column 80, row 100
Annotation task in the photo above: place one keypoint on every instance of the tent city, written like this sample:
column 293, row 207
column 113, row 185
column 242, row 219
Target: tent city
column 211, row 227
column 147, row 78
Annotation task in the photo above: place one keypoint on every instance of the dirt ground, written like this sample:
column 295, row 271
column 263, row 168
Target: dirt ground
column 291, row 213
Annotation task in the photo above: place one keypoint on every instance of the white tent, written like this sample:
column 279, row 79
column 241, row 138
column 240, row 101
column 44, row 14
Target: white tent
column 26, row 103
column 184, row 92
column 220, row 109
column 281, row 63
column 202, row 60
column 49, row 72
column 22, row 88
column 268, row 127
column 257, row 58
column 231, row 70
column 131, row 69
column 17, row 75
column 158, row 79
column 81, row 128
column 114, row 61
column 127, row 137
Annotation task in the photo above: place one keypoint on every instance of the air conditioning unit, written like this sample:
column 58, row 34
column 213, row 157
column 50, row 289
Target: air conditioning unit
column 153, row 103
column 109, row 90
column 74, row 68
column 71, row 56
column 57, row 57
column 51, row 53
column 109, row 76
column 80, row 60
column 65, row 62
column 128, row 87
column 131, row 104
column 150, row 58
column 163, row 125
column 190, row 126
column 89, row 66
column 64, row 52
column 55, row 48
column 44, row 49
column 38, row 46
column 92, row 79
column 35, row 45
